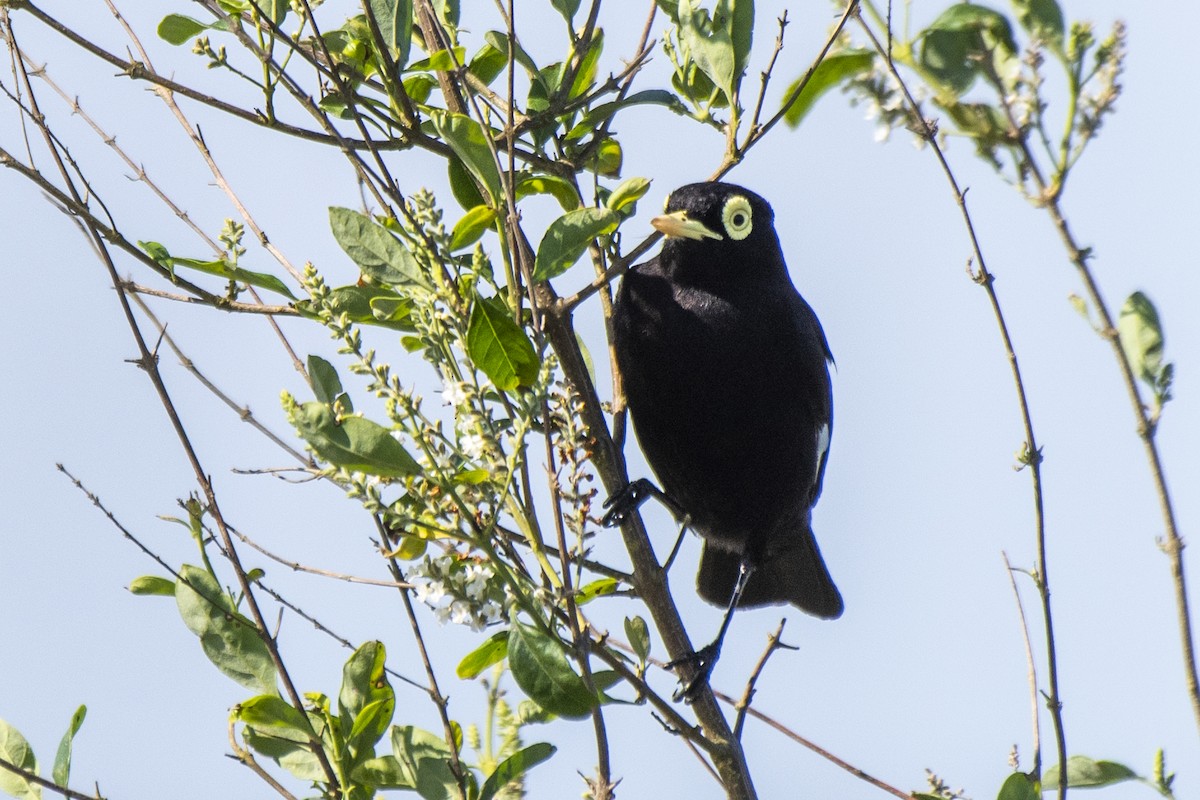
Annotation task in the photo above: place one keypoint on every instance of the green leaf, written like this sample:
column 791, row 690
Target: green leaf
column 955, row 46
column 358, row 304
column 567, row 8
column 1084, row 772
column 499, row 347
column 275, row 10
column 470, row 143
column 230, row 640
column 395, row 21
column 499, row 41
column 441, row 61
column 557, row 188
column 719, row 43
column 1018, row 786
column 219, row 267
column 567, row 238
column 585, row 76
column 597, row 115
column 629, row 192
column 487, row 64
column 355, row 443
column 177, row 29
column 326, row 384
column 378, row 253
column 831, row 72
column 639, row 637
column 424, row 762
column 152, row 585
column 15, row 750
column 608, row 159
column 490, row 652
column 366, row 698
column 270, row 714
column 1043, row 19
column 384, row 772
column 62, row 760
column 1141, row 337
column 288, row 747
column 471, row 227
column 597, row 588
column 513, row 767
column 540, row 668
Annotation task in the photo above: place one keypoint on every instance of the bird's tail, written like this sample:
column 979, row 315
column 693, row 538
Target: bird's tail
column 792, row 571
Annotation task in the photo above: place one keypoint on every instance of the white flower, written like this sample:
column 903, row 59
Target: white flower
column 454, row 392
column 882, row 132
column 473, row 445
column 476, row 581
column 460, row 612
column 429, row 592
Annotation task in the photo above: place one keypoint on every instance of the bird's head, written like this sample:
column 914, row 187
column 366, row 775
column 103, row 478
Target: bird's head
column 719, row 227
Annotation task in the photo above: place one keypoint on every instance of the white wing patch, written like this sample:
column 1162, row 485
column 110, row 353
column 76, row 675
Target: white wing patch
column 822, row 446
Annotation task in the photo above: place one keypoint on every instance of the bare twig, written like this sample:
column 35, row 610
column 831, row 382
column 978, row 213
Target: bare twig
column 1031, row 456
column 822, row 752
column 743, row 705
column 1035, row 706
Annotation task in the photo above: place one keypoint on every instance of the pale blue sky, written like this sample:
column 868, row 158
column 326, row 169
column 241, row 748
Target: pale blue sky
column 926, row 668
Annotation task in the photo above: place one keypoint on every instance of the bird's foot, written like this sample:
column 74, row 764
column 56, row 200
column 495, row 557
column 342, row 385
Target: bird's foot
column 701, row 662
column 626, row 501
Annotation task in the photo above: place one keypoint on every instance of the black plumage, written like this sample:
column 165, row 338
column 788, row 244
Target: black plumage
column 725, row 369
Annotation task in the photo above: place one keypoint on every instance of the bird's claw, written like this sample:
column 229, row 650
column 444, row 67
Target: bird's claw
column 624, row 502
column 702, row 662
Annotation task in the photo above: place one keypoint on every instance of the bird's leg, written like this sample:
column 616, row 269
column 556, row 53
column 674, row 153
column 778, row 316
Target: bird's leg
column 704, row 659
column 624, row 502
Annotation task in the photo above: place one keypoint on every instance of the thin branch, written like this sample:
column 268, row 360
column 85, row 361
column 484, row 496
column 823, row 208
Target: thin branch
column 743, row 705
column 1032, row 455
column 1035, row 706
column 822, row 752
column 38, row 780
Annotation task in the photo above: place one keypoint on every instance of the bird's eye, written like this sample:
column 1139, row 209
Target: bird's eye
column 736, row 217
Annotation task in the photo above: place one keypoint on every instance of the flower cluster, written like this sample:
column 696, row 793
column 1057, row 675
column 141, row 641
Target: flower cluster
column 460, row 589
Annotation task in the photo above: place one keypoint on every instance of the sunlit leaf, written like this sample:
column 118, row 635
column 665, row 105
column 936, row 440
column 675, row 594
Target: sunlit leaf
column 513, row 767
column 228, row 638
column 559, row 189
column 354, row 443
column 62, row 759
column 639, row 637
column 358, row 304
column 629, row 192
column 177, row 29
column 1084, row 772
column 152, row 585
column 468, row 230
column 366, row 698
column 567, row 238
column 16, row 750
column 1141, row 336
column 491, row 652
column 470, row 143
column 833, row 71
column 219, row 267
column 499, row 347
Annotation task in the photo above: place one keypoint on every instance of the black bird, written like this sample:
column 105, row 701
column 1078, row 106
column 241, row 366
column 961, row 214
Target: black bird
column 725, row 369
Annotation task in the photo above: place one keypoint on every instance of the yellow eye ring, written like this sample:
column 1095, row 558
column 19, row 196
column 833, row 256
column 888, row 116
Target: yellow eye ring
column 737, row 217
